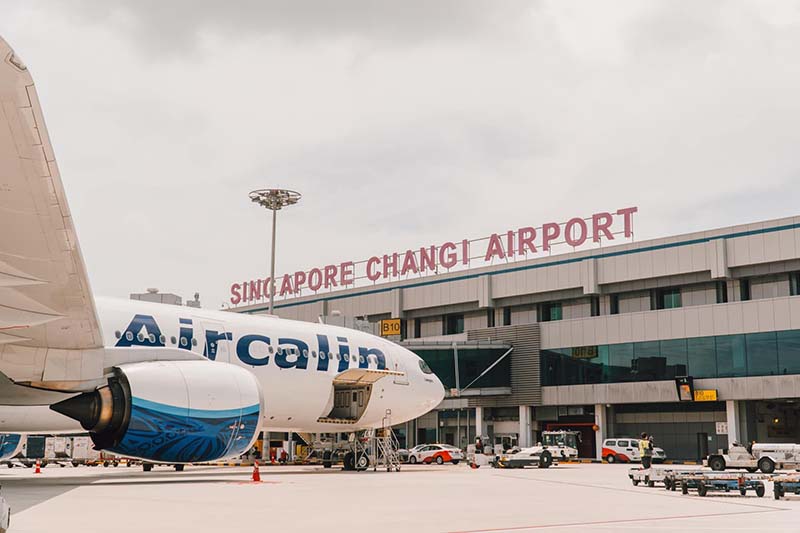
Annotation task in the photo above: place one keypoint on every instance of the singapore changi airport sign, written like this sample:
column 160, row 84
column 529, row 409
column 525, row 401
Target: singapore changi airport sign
column 520, row 244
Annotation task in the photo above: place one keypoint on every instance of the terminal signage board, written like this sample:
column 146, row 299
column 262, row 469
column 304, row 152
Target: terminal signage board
column 685, row 386
column 584, row 352
column 391, row 327
column 705, row 395
column 518, row 244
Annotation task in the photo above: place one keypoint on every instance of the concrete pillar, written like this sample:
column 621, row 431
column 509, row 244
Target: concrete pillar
column 479, row 422
column 732, row 416
column 524, row 439
column 601, row 421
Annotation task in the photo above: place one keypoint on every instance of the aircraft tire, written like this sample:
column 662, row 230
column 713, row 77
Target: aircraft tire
column 349, row 461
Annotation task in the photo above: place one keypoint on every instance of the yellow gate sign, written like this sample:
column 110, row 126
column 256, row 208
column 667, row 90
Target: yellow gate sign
column 390, row 327
column 705, row 395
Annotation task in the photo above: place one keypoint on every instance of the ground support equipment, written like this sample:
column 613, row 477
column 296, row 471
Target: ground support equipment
column 650, row 476
column 725, row 482
column 785, row 484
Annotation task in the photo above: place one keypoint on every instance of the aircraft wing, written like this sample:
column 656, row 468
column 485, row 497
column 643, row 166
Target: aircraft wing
column 48, row 324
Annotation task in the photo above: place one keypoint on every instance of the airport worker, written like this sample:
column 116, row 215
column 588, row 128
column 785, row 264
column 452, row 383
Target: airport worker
column 645, row 451
column 478, row 445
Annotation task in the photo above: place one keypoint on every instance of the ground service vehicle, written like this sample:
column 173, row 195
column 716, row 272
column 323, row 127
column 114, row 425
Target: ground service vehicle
column 435, row 453
column 766, row 457
column 626, row 450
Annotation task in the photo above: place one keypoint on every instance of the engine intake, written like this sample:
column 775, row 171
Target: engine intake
column 171, row 411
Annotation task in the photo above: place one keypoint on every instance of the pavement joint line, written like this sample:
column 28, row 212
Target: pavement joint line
column 609, row 522
column 646, row 491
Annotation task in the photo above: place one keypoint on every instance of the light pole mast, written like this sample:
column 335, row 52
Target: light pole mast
column 274, row 200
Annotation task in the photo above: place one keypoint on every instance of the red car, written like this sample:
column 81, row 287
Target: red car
column 435, row 453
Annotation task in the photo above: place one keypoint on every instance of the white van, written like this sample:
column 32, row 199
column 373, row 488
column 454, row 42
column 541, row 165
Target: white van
column 626, row 450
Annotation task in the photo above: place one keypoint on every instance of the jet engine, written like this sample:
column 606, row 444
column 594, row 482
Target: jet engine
column 11, row 444
column 171, row 411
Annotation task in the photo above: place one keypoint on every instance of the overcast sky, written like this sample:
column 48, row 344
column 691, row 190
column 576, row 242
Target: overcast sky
column 403, row 123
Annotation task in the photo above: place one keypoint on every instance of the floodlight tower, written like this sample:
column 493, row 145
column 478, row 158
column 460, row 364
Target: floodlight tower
column 274, row 200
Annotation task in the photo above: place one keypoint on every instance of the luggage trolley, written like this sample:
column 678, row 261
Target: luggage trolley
column 713, row 481
column 650, row 476
column 786, row 483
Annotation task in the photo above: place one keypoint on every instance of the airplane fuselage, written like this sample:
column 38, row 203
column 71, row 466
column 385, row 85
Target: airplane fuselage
column 295, row 362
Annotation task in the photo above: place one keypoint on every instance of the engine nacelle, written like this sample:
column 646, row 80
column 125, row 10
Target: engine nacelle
column 172, row 411
column 11, row 444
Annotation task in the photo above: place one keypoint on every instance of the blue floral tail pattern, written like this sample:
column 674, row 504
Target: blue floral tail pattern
column 8, row 444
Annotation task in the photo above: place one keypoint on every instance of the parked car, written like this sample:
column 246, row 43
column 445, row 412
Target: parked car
column 435, row 453
column 405, row 455
column 626, row 450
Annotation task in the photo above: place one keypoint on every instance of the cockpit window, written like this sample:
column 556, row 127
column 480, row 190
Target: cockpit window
column 424, row 367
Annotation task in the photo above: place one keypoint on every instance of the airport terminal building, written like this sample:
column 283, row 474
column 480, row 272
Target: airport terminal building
column 594, row 339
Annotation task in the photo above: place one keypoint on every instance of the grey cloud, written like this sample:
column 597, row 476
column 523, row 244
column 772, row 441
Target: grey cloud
column 181, row 24
column 403, row 123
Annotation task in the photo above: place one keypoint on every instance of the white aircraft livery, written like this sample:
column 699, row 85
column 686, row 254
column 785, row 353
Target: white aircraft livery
column 158, row 382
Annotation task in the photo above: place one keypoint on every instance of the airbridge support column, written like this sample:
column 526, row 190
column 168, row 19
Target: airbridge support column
column 524, row 426
column 479, row 422
column 601, row 421
column 734, row 421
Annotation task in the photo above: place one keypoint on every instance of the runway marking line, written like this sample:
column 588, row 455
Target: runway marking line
column 607, row 522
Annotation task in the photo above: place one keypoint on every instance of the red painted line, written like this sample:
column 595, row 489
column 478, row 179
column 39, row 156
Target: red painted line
column 606, row 522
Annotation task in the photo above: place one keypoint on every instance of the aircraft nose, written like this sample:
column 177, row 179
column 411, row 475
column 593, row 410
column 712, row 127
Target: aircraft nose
column 435, row 393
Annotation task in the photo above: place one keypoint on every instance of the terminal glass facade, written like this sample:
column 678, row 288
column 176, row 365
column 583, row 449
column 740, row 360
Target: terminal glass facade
column 752, row 354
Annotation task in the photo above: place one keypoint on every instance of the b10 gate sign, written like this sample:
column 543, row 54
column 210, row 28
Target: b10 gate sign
column 390, row 327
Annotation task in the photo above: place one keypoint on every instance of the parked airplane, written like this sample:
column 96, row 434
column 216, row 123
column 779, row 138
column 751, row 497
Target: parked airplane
column 158, row 382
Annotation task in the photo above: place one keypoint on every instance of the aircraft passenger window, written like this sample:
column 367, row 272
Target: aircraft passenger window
column 313, row 353
column 361, row 358
column 305, row 353
column 338, row 357
column 117, row 334
column 184, row 342
column 271, row 349
column 354, row 359
column 163, row 339
column 173, row 340
column 129, row 336
column 194, row 342
column 322, row 355
column 140, row 337
column 424, row 367
column 152, row 338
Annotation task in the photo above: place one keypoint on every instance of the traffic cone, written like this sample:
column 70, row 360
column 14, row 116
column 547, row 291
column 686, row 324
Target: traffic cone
column 38, row 467
column 256, row 473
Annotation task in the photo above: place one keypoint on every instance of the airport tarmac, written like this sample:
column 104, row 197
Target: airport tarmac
column 447, row 498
